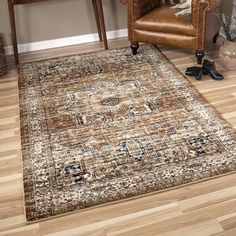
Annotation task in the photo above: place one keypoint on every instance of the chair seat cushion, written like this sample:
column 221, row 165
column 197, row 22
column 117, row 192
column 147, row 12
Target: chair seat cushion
column 163, row 19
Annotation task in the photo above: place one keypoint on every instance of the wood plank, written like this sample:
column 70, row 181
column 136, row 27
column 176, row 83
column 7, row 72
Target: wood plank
column 28, row 230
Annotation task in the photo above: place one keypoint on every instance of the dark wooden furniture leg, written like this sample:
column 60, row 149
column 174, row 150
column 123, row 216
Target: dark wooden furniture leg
column 13, row 29
column 102, row 22
column 134, row 46
column 95, row 8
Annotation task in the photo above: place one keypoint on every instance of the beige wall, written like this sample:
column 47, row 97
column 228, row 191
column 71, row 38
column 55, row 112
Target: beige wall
column 59, row 18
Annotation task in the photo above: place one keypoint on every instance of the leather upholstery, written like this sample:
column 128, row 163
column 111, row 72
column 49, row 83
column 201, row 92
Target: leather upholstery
column 150, row 21
column 163, row 19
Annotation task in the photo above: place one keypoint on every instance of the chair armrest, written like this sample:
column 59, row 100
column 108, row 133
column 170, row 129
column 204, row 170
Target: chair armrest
column 200, row 7
column 138, row 8
column 211, row 4
column 199, row 10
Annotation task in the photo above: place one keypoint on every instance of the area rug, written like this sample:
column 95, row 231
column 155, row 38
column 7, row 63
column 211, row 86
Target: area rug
column 107, row 126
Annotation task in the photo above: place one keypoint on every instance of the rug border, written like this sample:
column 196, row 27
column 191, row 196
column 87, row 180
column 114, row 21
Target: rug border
column 28, row 222
column 130, row 198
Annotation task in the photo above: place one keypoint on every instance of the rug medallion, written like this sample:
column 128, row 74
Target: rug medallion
column 106, row 126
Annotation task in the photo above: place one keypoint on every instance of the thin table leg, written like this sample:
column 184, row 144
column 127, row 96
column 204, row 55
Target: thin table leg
column 97, row 19
column 102, row 22
column 13, row 29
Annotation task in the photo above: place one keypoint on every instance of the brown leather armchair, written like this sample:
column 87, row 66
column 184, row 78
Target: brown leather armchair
column 153, row 21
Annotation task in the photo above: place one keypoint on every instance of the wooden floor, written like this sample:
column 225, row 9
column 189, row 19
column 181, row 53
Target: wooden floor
column 203, row 209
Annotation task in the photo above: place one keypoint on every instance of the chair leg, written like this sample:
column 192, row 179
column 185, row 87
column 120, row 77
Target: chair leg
column 101, row 21
column 134, row 46
column 97, row 19
column 199, row 55
column 214, row 40
column 13, row 30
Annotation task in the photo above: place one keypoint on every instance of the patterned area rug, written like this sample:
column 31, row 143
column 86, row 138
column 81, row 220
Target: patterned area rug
column 108, row 126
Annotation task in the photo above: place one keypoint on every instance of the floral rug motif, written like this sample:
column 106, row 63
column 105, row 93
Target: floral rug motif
column 106, row 126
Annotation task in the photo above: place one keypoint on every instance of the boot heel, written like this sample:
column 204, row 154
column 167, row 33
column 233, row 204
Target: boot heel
column 210, row 68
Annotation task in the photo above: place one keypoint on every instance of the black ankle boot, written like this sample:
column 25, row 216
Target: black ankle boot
column 195, row 71
column 210, row 68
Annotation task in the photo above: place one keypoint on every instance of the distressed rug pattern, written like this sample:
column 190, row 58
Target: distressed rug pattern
column 107, row 126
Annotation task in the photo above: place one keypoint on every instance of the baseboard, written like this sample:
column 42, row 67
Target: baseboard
column 63, row 42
